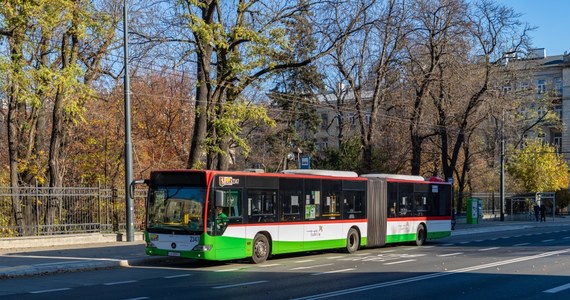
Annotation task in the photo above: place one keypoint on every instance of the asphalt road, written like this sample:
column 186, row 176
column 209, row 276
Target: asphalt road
column 533, row 263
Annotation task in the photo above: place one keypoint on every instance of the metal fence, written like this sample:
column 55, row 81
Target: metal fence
column 516, row 206
column 66, row 210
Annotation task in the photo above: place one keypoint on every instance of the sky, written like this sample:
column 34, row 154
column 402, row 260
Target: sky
column 552, row 19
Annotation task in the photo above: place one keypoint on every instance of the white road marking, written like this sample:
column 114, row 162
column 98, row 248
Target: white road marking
column 226, row 270
column 558, row 289
column 447, row 245
column 362, row 253
column 177, row 276
column 334, row 271
column 119, row 282
column 565, row 238
column 463, row 243
column 387, row 251
column 335, row 257
column 521, row 244
column 138, row 298
column 303, row 261
column 430, row 276
column 50, row 291
column 488, row 249
column 400, row 262
column 450, row 254
column 239, row 284
column 310, row 267
column 547, row 241
column 268, row 265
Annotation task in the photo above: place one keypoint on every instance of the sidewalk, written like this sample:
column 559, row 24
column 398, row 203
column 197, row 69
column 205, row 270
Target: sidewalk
column 67, row 258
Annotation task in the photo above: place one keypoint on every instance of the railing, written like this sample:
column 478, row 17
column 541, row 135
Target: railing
column 66, row 210
column 515, row 206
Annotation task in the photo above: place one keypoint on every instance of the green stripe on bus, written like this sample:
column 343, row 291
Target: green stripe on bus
column 410, row 237
column 226, row 248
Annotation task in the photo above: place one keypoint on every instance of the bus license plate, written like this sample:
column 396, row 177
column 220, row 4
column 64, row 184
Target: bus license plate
column 173, row 254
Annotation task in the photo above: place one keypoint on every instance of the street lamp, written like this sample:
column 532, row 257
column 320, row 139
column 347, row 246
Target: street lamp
column 128, row 145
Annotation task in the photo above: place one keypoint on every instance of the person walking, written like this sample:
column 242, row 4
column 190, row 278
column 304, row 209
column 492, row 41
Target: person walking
column 536, row 211
column 542, row 213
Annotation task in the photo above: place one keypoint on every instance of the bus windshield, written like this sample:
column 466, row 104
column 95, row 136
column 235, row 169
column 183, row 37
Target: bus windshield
column 176, row 208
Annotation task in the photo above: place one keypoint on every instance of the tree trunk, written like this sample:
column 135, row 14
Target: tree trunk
column 416, row 153
column 14, row 117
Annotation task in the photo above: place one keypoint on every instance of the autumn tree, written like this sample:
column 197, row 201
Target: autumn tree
column 538, row 168
column 56, row 50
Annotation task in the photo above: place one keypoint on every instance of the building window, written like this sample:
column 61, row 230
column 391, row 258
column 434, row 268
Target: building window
column 558, row 86
column 557, row 142
column 541, row 86
column 324, row 121
column 523, row 86
column 506, row 89
column 323, row 145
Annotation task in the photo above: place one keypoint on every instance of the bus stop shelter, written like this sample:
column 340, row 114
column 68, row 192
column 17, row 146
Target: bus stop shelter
column 523, row 203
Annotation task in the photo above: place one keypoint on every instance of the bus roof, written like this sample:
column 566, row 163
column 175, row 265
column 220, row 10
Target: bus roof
column 321, row 172
column 394, row 176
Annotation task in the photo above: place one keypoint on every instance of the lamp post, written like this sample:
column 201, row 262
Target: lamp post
column 502, row 187
column 128, row 145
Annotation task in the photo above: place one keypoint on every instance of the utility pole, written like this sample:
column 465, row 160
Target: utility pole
column 503, row 168
column 128, row 145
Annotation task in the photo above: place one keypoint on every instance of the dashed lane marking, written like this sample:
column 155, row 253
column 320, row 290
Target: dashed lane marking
column 50, row 291
column 239, row 284
column 558, row 289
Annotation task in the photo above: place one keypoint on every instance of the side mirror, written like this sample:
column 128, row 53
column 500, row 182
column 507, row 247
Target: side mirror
column 131, row 190
column 220, row 198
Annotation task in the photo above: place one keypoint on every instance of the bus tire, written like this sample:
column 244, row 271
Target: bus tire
column 421, row 235
column 352, row 241
column 260, row 251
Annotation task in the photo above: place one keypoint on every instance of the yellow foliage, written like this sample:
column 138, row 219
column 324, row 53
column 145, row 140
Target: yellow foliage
column 538, row 168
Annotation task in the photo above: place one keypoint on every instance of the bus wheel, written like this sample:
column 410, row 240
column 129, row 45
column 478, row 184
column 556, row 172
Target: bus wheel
column 260, row 249
column 421, row 235
column 352, row 241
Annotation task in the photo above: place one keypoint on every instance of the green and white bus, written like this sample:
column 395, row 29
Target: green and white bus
column 223, row 215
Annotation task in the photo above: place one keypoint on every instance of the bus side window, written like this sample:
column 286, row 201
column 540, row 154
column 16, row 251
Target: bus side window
column 261, row 206
column 290, row 208
column 353, row 205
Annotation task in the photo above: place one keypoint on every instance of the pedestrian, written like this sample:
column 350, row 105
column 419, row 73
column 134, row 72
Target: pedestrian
column 542, row 213
column 536, row 211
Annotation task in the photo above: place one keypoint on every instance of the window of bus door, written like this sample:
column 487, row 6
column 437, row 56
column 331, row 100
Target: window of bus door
column 332, row 195
column 421, row 205
column 290, row 197
column 261, row 206
column 224, row 211
column 440, row 198
column 172, row 208
column 353, row 202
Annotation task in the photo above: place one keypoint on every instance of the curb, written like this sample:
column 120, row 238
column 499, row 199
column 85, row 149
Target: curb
column 74, row 266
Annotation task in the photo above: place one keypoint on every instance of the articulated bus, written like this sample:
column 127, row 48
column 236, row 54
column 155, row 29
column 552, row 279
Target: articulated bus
column 223, row 215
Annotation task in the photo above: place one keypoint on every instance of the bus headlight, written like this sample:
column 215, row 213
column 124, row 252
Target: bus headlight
column 202, row 248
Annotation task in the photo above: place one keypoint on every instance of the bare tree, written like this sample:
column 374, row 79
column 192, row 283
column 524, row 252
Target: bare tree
column 368, row 64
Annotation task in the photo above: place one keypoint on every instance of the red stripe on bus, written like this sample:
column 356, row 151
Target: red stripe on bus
column 444, row 218
column 303, row 222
